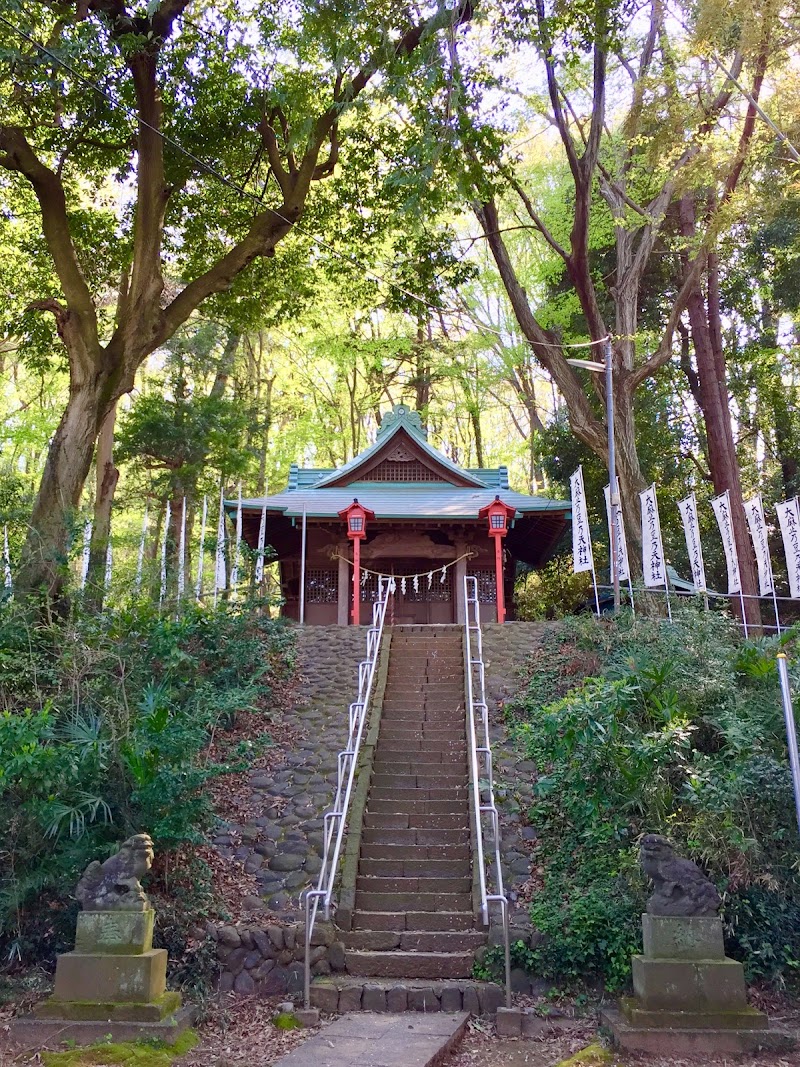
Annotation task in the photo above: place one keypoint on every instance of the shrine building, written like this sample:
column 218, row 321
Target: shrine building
column 420, row 518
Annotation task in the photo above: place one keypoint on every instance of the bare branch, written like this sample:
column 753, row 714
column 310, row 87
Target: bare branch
column 540, row 226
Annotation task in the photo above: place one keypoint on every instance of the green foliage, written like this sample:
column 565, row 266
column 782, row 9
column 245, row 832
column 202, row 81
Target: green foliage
column 552, row 592
column 679, row 732
column 103, row 730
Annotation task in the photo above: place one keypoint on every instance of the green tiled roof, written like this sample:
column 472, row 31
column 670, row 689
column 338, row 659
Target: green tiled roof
column 390, row 501
column 310, row 488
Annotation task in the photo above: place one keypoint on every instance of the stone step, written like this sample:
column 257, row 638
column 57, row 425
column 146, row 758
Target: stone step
column 417, row 820
column 413, row 884
column 389, row 850
column 435, row 902
column 401, row 798
column 415, row 836
column 424, row 733
column 453, row 774
column 416, row 807
column 414, row 940
column 421, row 762
column 427, row 749
column 346, row 994
column 397, row 867
column 434, row 921
column 432, row 717
column 409, row 964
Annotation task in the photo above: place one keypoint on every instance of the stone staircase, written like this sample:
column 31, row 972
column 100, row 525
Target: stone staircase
column 413, row 916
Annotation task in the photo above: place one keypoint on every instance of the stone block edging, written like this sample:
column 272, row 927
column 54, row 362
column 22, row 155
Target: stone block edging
column 268, row 960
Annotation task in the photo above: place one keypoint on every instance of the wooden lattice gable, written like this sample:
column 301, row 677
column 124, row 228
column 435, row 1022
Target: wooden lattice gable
column 401, row 455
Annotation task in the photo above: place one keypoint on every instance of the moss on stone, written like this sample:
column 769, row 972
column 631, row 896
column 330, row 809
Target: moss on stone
column 594, row 1055
column 124, row 1054
column 286, row 1020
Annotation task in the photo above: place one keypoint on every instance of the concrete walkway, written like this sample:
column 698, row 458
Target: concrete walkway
column 367, row 1039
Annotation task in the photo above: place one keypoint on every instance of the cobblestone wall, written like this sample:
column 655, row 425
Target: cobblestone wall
column 282, row 847
column 268, row 960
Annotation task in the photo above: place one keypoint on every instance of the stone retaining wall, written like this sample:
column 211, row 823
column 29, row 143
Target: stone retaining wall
column 268, row 960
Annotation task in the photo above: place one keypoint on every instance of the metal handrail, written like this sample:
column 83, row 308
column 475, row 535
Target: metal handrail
column 480, row 760
column 335, row 820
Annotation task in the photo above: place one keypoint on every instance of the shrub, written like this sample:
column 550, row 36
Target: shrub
column 104, row 727
column 552, row 592
column 680, row 732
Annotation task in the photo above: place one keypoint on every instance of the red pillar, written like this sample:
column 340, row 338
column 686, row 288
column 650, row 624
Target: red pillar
column 498, row 562
column 356, row 582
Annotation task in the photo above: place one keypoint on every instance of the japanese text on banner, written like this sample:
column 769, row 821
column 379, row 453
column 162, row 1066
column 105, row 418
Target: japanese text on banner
column 691, row 529
column 722, row 510
column 582, row 559
column 653, row 566
column 789, row 521
column 754, row 509
column 623, row 570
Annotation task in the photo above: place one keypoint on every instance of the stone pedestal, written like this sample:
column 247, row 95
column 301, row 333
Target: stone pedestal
column 688, row 996
column 114, row 981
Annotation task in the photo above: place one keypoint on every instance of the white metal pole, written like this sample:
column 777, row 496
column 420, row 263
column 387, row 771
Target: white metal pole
column 303, row 569
column 791, row 732
column 198, row 591
column 596, row 597
column 612, row 469
column 744, row 611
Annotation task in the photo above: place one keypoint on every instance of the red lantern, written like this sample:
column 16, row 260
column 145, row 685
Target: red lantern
column 499, row 516
column 356, row 516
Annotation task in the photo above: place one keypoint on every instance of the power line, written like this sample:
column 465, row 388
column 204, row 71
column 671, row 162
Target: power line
column 229, row 183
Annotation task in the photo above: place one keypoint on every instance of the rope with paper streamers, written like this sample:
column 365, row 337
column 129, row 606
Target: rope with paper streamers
column 415, row 578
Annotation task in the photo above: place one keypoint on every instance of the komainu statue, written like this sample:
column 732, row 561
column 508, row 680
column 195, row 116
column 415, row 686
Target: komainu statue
column 114, row 884
column 680, row 887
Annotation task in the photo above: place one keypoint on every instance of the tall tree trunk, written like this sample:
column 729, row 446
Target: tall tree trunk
column 44, row 565
column 107, row 476
column 705, row 325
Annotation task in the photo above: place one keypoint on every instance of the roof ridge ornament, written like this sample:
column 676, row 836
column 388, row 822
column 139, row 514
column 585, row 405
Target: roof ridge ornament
column 411, row 419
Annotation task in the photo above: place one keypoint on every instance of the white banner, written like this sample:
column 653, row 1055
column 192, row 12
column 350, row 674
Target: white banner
column 789, row 521
column 623, row 568
column 182, row 552
column 582, row 559
column 164, row 536
column 6, row 560
column 754, row 510
column 654, row 567
column 691, row 529
column 109, row 565
column 220, row 575
column 237, row 546
column 198, row 592
column 262, row 538
column 722, row 510
column 87, row 547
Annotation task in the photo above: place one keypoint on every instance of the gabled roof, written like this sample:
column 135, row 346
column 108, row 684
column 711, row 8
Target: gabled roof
column 400, row 424
column 447, row 502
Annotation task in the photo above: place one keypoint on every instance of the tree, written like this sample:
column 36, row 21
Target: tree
column 191, row 90
column 639, row 168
